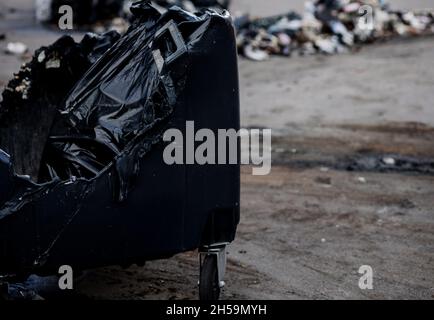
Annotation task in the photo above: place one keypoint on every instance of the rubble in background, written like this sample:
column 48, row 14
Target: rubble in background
column 328, row 27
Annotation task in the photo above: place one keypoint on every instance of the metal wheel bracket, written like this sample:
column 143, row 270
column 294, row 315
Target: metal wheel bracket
column 219, row 250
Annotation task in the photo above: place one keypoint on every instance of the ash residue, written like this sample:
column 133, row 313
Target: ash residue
column 379, row 163
column 361, row 163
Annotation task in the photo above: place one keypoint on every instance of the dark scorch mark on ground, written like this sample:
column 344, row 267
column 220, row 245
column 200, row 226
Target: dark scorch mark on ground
column 367, row 163
column 362, row 148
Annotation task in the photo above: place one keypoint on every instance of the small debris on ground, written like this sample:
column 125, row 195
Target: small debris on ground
column 361, row 179
column 389, row 161
column 16, row 48
column 324, row 180
column 327, row 27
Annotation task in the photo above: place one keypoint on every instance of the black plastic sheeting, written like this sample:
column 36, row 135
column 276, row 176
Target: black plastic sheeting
column 121, row 99
column 95, row 190
column 198, row 4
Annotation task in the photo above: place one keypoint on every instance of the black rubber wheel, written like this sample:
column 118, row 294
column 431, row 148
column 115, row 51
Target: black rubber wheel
column 209, row 286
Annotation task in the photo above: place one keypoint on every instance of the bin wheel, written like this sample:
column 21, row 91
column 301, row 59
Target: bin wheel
column 209, row 286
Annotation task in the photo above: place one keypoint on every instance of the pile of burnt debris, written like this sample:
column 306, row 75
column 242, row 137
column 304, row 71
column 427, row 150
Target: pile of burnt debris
column 326, row 26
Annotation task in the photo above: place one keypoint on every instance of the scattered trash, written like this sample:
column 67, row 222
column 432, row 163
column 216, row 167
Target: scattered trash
column 327, row 27
column 16, row 48
column 255, row 54
column 323, row 240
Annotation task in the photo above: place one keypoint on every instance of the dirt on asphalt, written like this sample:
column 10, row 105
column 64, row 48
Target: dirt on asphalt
column 333, row 201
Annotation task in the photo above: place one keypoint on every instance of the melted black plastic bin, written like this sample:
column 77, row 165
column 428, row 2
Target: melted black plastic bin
column 170, row 209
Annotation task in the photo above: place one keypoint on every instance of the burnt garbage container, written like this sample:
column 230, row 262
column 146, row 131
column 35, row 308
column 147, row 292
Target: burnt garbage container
column 103, row 194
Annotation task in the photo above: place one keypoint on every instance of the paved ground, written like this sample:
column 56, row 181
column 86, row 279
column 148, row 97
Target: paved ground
column 329, row 205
